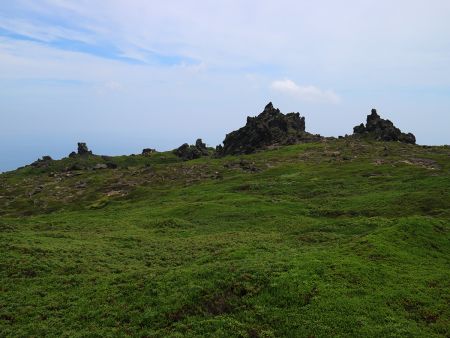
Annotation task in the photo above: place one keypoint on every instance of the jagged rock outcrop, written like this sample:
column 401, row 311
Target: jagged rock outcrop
column 190, row 152
column 83, row 149
column 271, row 127
column 148, row 151
column 42, row 162
column 382, row 130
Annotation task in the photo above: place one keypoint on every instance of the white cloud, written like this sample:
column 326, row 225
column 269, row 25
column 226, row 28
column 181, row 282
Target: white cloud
column 108, row 87
column 203, row 65
column 113, row 85
column 46, row 33
column 305, row 93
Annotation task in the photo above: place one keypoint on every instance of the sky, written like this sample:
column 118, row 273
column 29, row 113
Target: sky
column 123, row 75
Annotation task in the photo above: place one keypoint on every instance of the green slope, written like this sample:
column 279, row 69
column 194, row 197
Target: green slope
column 338, row 238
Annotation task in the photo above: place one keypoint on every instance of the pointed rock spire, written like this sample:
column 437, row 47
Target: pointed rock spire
column 382, row 130
column 269, row 128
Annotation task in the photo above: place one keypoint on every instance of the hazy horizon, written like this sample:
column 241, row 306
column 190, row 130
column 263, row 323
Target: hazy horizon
column 136, row 74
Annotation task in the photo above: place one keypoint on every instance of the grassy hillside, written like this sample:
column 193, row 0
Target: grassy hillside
column 337, row 238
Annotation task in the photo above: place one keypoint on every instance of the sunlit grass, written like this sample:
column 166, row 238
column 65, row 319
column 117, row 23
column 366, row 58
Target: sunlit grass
column 329, row 239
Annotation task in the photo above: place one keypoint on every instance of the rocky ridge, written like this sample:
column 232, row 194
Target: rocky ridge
column 82, row 150
column 191, row 152
column 382, row 130
column 270, row 128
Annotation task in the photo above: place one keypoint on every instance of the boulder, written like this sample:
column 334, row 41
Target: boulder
column 190, row 152
column 382, row 130
column 83, row 149
column 99, row 166
column 201, row 147
column 269, row 128
column 42, row 162
column 148, row 151
column 47, row 158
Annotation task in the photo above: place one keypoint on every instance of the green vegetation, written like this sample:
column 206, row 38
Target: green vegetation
column 337, row 238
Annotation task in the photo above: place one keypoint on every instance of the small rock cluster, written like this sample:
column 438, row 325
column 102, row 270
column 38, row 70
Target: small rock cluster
column 269, row 128
column 42, row 162
column 148, row 151
column 243, row 165
column 83, row 150
column 190, row 152
column 382, row 130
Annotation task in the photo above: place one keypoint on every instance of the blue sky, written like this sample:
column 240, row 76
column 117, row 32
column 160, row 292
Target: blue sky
column 124, row 75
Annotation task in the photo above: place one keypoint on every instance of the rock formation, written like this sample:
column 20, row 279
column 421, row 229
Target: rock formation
column 190, row 152
column 271, row 127
column 42, row 162
column 382, row 130
column 148, row 151
column 83, row 149
column 99, row 166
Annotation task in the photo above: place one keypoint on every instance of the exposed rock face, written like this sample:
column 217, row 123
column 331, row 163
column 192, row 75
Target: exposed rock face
column 148, row 151
column 382, row 130
column 42, row 162
column 190, row 152
column 83, row 149
column 271, row 127
column 200, row 145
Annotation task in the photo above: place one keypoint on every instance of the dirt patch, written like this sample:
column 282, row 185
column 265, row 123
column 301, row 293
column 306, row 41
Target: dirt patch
column 222, row 302
column 115, row 193
column 423, row 162
column 244, row 165
column 418, row 311
column 379, row 161
column 308, row 297
column 214, row 305
column 7, row 318
column 332, row 153
column 29, row 273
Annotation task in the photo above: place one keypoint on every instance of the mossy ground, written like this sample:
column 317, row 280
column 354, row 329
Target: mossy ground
column 338, row 238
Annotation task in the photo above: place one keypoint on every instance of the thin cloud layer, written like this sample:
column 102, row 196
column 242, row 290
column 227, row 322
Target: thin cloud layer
column 195, row 68
column 305, row 93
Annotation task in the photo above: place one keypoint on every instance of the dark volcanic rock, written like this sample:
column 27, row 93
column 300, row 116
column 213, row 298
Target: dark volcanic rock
column 382, row 130
column 148, row 151
column 42, row 162
column 190, row 152
column 271, row 127
column 201, row 146
column 83, row 149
